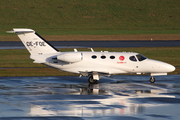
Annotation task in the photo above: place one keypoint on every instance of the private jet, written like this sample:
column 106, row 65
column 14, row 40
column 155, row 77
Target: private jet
column 90, row 64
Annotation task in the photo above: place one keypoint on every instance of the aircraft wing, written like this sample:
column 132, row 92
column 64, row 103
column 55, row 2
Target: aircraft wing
column 91, row 73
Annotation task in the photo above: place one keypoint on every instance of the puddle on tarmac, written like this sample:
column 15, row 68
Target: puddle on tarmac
column 119, row 97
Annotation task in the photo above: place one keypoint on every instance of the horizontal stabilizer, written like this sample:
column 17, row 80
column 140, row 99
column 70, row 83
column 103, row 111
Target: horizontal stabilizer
column 17, row 30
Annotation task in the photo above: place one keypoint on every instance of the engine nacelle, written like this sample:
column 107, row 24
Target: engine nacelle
column 70, row 57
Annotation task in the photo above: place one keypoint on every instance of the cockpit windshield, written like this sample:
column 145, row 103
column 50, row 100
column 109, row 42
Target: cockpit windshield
column 133, row 58
column 140, row 57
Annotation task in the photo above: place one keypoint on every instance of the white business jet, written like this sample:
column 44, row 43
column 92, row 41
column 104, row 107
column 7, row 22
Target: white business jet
column 90, row 64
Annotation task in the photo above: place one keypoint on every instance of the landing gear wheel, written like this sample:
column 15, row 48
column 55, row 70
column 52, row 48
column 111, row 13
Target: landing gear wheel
column 152, row 80
column 91, row 80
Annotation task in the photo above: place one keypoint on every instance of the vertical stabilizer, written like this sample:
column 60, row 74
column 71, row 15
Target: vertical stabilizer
column 34, row 43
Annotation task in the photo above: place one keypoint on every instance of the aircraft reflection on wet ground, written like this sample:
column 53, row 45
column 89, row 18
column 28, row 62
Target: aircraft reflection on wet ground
column 117, row 97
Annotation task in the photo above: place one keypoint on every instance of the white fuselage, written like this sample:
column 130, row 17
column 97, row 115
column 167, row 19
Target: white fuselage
column 105, row 62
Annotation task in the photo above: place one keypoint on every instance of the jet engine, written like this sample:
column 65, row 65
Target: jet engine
column 70, row 57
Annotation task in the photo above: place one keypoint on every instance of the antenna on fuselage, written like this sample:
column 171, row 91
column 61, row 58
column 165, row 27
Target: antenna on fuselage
column 75, row 50
column 91, row 49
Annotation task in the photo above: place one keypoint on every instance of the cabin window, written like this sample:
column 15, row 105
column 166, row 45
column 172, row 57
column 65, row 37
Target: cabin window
column 103, row 57
column 133, row 58
column 94, row 57
column 112, row 57
column 140, row 57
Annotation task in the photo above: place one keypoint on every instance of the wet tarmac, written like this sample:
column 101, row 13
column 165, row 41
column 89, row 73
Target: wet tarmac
column 116, row 97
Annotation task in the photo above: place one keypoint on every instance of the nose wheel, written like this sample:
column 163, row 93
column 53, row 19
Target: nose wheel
column 152, row 79
column 91, row 80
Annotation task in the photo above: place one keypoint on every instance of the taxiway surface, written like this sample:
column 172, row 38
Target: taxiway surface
column 76, row 44
column 116, row 97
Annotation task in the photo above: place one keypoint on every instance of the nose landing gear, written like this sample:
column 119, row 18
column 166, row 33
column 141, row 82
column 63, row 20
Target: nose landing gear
column 91, row 80
column 152, row 79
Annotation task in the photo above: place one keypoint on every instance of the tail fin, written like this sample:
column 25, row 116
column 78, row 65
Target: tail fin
column 34, row 43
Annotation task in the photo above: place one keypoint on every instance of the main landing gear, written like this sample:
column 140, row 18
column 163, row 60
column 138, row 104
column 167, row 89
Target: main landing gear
column 91, row 80
column 152, row 79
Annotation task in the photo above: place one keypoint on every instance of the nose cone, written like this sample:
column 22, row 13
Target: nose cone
column 166, row 67
column 159, row 66
column 170, row 68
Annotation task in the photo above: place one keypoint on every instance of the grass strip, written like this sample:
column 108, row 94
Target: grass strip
column 98, row 37
column 33, row 72
column 91, row 17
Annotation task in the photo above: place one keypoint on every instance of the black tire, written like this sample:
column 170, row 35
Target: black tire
column 91, row 80
column 152, row 80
